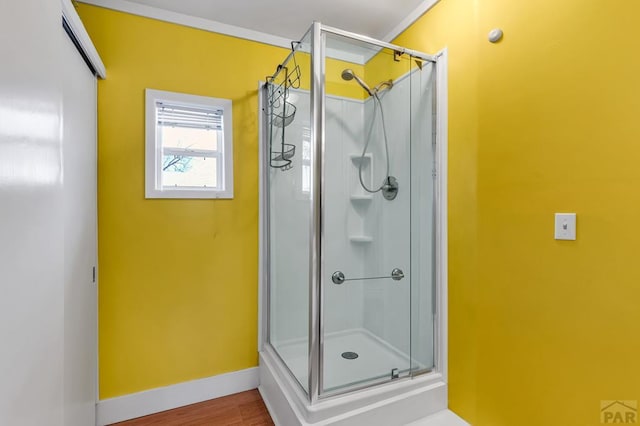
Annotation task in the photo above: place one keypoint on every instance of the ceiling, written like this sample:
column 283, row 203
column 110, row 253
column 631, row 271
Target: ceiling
column 291, row 18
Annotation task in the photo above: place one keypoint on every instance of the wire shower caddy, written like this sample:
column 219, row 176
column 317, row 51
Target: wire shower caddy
column 281, row 112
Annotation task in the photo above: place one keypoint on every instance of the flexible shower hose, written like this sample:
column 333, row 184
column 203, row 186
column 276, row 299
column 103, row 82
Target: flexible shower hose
column 376, row 104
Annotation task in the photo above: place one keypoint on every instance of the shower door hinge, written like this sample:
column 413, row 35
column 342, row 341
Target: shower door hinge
column 395, row 373
column 93, row 275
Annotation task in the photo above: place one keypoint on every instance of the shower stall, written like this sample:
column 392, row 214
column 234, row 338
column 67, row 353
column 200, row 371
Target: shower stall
column 353, row 241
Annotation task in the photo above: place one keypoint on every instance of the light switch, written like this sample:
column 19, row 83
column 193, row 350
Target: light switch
column 565, row 226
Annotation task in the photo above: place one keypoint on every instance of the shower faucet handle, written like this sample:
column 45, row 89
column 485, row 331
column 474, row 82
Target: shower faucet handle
column 339, row 278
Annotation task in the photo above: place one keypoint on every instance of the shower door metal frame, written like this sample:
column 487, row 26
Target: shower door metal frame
column 375, row 42
column 264, row 293
column 316, row 258
column 317, row 202
column 317, row 194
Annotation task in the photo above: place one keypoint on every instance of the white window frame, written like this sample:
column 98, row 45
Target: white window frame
column 154, row 153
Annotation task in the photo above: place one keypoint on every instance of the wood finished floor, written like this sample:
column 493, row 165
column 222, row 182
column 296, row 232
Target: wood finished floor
column 241, row 409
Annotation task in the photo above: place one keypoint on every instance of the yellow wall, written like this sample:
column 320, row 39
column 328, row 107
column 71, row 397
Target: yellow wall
column 385, row 66
column 178, row 278
column 545, row 121
column 336, row 86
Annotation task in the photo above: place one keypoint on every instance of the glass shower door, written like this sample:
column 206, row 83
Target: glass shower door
column 286, row 108
column 366, row 290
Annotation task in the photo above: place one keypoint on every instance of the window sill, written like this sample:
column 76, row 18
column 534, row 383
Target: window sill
column 188, row 193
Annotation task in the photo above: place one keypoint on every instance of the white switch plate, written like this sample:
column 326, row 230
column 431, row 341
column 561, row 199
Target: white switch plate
column 565, row 226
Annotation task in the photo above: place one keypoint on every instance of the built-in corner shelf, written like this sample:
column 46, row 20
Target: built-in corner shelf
column 361, row 198
column 356, row 158
column 366, row 162
column 360, row 239
column 361, row 201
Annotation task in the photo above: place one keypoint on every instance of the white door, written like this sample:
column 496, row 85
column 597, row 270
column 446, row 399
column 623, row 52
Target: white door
column 80, row 288
column 31, row 235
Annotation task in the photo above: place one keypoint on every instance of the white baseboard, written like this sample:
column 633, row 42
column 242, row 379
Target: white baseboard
column 140, row 404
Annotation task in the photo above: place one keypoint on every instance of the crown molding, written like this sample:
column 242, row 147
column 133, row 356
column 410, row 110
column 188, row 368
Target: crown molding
column 245, row 33
column 190, row 21
column 422, row 8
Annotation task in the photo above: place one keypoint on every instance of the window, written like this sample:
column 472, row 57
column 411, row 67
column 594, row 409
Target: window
column 189, row 150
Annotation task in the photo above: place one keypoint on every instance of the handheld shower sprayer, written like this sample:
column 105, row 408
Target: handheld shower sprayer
column 389, row 185
column 348, row 75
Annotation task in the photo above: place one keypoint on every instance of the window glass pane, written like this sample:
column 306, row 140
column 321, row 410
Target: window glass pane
column 190, row 138
column 183, row 171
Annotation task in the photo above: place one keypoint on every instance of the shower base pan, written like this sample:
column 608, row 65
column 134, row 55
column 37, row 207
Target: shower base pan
column 397, row 403
column 351, row 356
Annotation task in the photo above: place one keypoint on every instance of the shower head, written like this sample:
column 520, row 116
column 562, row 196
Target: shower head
column 348, row 75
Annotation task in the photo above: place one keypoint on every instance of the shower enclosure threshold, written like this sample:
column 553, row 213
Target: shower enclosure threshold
column 374, row 358
column 397, row 403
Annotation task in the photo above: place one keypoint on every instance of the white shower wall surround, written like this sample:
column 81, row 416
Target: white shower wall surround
column 363, row 236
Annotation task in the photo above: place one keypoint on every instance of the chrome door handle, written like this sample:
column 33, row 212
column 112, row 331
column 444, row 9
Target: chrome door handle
column 339, row 278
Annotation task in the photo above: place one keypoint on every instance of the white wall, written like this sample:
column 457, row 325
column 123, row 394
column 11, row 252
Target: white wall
column 403, row 229
column 80, row 239
column 387, row 313
column 400, row 230
column 32, row 219
column 343, row 218
column 289, row 234
column 290, row 219
column 31, row 214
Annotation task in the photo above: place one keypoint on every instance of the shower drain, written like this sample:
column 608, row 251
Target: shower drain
column 349, row 355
